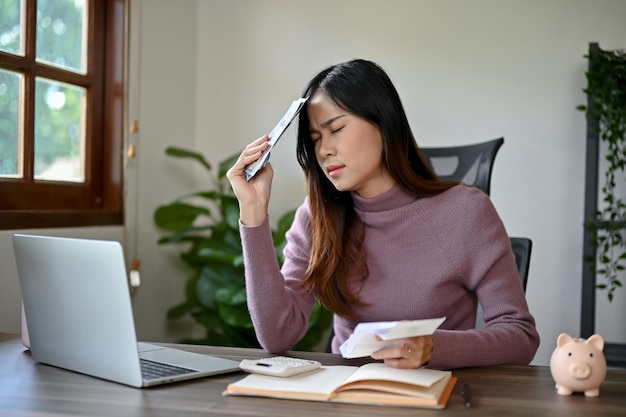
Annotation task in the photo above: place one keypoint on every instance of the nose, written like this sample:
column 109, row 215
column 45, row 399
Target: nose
column 580, row 370
column 325, row 147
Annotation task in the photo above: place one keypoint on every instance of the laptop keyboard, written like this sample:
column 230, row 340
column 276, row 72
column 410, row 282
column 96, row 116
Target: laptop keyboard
column 154, row 370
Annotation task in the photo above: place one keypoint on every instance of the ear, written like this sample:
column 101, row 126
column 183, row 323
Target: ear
column 595, row 340
column 563, row 339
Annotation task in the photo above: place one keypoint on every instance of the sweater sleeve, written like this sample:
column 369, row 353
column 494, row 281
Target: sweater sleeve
column 509, row 336
column 279, row 305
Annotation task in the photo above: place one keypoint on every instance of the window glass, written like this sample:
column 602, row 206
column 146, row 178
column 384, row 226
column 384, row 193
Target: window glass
column 59, row 131
column 60, row 33
column 9, row 124
column 61, row 112
column 10, row 32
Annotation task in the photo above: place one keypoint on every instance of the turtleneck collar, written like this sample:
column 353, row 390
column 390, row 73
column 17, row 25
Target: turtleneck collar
column 394, row 198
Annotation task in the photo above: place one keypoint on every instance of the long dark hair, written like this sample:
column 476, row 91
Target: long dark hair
column 361, row 88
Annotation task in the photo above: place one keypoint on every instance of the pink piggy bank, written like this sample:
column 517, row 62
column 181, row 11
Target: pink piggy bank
column 578, row 365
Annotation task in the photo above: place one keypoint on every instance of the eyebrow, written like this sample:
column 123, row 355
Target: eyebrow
column 329, row 121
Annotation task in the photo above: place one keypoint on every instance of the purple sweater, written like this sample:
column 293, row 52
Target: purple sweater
column 427, row 257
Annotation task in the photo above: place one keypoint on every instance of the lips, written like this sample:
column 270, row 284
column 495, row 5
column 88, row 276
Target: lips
column 334, row 170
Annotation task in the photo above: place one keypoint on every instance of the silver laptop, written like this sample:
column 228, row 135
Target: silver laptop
column 79, row 315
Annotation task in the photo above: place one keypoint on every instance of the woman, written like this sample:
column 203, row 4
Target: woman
column 379, row 237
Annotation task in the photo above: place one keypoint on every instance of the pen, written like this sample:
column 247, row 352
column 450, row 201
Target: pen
column 467, row 395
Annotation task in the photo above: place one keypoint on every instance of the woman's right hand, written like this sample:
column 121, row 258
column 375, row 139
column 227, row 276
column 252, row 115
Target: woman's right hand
column 253, row 195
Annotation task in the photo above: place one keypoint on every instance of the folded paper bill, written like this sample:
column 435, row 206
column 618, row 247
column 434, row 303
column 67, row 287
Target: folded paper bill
column 363, row 341
column 274, row 135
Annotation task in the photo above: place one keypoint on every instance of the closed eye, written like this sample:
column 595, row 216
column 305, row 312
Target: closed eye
column 337, row 129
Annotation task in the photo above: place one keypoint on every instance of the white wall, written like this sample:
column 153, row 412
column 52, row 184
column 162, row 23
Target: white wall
column 215, row 74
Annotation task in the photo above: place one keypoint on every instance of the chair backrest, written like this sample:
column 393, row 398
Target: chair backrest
column 522, row 247
column 471, row 164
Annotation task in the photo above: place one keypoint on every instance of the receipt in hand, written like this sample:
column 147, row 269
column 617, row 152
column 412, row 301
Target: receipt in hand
column 363, row 342
column 274, row 135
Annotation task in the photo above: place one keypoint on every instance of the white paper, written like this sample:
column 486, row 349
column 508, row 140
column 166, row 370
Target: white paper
column 320, row 383
column 363, row 341
column 274, row 135
column 379, row 371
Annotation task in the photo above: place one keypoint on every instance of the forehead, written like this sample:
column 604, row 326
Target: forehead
column 321, row 108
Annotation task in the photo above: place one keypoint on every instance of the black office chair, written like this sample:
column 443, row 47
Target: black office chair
column 471, row 164
column 522, row 248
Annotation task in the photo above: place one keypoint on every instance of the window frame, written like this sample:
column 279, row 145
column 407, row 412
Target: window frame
column 29, row 203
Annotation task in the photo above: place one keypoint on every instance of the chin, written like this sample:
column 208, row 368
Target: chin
column 341, row 187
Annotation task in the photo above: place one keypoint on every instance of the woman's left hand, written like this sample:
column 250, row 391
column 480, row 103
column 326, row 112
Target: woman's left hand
column 413, row 353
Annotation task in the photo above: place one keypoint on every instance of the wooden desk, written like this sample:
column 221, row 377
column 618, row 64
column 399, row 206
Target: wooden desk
column 29, row 388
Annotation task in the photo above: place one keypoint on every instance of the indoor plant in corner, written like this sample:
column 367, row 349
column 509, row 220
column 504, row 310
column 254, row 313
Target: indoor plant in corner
column 606, row 90
column 206, row 225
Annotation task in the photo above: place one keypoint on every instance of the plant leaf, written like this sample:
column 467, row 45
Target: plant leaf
column 208, row 319
column 226, row 164
column 176, row 216
column 236, row 315
column 231, row 213
column 205, row 291
column 187, row 234
column 231, row 295
column 284, row 223
column 185, row 153
column 180, row 310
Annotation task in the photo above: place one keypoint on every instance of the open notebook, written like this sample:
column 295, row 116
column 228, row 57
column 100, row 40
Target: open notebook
column 79, row 315
column 372, row 383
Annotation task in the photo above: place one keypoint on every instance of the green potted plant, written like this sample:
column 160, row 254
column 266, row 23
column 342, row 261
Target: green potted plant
column 606, row 90
column 206, row 225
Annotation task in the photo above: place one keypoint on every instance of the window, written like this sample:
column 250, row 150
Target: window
column 61, row 112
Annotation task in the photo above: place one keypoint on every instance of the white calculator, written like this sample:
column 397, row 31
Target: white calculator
column 281, row 366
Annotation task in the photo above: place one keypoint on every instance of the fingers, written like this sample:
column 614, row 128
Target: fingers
column 413, row 353
column 253, row 196
column 254, row 150
column 400, row 352
column 251, row 153
column 403, row 357
column 408, row 352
